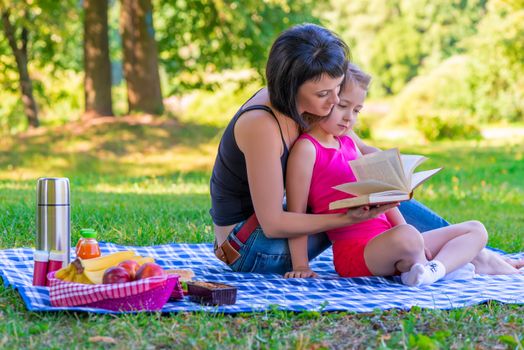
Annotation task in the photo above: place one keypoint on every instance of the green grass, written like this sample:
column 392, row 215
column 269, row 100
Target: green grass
column 143, row 184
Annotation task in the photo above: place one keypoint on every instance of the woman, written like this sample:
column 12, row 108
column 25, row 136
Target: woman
column 304, row 72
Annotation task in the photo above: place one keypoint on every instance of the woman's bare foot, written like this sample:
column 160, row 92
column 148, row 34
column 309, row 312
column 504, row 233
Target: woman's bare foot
column 488, row 262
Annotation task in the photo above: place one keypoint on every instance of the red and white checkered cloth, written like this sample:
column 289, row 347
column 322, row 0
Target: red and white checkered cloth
column 64, row 293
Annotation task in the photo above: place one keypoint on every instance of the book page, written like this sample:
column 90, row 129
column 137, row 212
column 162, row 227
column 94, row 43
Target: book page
column 384, row 166
column 410, row 162
column 349, row 202
column 372, row 199
column 388, row 197
column 421, row 176
column 385, row 194
column 364, row 187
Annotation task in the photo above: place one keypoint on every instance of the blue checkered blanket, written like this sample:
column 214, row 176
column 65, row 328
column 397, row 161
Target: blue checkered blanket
column 258, row 292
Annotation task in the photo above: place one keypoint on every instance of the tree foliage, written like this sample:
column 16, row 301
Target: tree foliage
column 208, row 36
column 483, row 84
column 399, row 39
column 55, row 31
column 497, row 79
column 444, row 59
column 18, row 44
column 52, row 48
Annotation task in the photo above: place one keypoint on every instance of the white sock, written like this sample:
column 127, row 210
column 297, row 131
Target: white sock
column 462, row 273
column 414, row 276
column 420, row 274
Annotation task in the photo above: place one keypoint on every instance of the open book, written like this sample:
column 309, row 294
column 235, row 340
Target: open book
column 383, row 177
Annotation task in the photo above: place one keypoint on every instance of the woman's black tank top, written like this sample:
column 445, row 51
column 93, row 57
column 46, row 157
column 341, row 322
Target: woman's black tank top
column 230, row 197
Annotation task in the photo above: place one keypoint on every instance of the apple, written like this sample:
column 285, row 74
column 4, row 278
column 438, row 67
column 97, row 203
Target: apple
column 131, row 266
column 149, row 270
column 116, row 274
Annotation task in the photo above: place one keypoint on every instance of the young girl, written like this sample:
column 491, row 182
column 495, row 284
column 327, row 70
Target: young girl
column 380, row 246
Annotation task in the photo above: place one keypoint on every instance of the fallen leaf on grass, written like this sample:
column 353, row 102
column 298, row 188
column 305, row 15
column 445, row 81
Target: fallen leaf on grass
column 101, row 339
column 386, row 336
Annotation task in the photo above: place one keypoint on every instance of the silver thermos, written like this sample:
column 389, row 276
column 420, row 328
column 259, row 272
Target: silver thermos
column 53, row 216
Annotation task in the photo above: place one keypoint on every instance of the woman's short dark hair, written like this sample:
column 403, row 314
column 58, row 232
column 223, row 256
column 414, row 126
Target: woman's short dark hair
column 302, row 52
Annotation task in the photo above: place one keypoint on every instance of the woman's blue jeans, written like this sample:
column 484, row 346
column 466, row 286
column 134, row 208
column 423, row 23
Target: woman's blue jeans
column 271, row 255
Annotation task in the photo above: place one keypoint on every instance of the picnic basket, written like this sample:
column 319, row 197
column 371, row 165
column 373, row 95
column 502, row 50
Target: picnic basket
column 149, row 294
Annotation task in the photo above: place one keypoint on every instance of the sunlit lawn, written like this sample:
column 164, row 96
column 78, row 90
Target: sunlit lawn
column 145, row 183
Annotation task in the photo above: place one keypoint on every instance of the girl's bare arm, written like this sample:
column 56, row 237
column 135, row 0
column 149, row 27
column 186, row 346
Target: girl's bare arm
column 298, row 180
column 395, row 217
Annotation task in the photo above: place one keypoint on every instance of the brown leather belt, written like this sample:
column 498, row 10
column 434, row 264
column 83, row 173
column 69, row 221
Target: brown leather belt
column 228, row 251
column 245, row 231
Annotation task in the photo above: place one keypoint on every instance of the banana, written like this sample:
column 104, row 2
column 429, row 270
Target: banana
column 105, row 261
column 91, row 271
column 94, row 277
column 64, row 273
column 82, row 278
column 141, row 260
column 70, row 274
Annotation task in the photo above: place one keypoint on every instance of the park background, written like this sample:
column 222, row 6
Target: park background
column 129, row 99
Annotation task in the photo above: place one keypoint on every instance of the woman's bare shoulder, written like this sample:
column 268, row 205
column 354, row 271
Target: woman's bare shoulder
column 257, row 121
column 257, row 131
column 261, row 97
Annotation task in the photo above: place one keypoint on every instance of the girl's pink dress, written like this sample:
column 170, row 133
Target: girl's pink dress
column 331, row 169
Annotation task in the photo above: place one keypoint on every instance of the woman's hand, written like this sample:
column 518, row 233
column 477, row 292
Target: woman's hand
column 301, row 272
column 367, row 212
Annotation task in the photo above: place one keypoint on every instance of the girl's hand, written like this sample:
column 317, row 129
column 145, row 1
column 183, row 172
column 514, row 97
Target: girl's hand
column 367, row 212
column 301, row 272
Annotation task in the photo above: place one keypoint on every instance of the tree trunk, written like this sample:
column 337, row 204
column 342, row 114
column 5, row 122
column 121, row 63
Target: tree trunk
column 140, row 57
column 20, row 53
column 97, row 65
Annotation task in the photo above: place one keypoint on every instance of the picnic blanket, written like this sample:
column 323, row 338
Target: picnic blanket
column 261, row 292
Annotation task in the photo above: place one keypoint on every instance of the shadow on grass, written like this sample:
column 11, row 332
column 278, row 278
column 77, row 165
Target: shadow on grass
column 100, row 148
